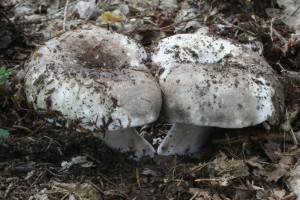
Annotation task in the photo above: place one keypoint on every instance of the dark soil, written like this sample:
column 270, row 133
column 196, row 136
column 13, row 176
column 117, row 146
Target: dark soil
column 249, row 163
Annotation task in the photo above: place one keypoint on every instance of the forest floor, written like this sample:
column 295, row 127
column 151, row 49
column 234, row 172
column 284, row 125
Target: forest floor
column 41, row 161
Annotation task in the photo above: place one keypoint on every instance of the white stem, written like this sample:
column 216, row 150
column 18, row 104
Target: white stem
column 184, row 139
column 128, row 140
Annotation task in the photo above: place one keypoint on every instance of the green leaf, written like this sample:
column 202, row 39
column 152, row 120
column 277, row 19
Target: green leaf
column 4, row 133
column 2, row 70
column 4, row 73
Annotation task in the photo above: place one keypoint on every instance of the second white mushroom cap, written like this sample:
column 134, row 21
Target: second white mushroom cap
column 210, row 81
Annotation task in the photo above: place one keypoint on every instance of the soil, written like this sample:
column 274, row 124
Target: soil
column 42, row 161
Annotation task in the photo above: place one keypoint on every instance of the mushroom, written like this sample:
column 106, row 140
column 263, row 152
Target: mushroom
column 208, row 82
column 98, row 79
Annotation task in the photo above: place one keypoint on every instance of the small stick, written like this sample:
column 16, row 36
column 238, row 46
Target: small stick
column 32, row 21
column 296, row 11
column 235, row 137
column 179, row 22
column 66, row 14
column 101, row 3
column 271, row 30
column 137, row 178
column 282, row 39
column 294, row 76
column 209, row 179
column 294, row 136
column 230, row 24
column 282, row 69
column 23, row 128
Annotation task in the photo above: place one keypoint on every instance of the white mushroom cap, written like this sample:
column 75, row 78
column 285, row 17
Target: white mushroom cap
column 199, row 48
column 209, row 81
column 213, row 95
column 192, row 48
column 93, row 74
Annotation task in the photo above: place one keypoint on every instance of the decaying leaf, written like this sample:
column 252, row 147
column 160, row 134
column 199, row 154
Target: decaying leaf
column 293, row 182
column 82, row 160
column 84, row 191
column 200, row 194
column 230, row 167
column 273, row 151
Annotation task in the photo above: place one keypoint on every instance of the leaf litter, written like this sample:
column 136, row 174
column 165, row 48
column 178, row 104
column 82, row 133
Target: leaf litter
column 39, row 160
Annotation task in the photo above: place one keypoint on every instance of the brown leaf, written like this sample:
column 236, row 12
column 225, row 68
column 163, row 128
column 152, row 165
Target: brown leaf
column 274, row 176
column 273, row 151
column 200, row 194
column 253, row 162
column 288, row 160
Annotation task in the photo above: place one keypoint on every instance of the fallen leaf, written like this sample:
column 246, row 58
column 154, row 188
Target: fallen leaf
column 77, row 160
column 273, row 151
column 84, row 191
column 288, row 160
column 112, row 17
column 199, row 193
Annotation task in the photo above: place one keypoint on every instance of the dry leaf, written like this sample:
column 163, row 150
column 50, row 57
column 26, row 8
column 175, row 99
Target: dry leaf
column 85, row 191
column 112, row 17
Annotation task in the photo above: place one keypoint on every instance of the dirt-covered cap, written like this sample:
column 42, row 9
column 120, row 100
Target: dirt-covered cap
column 94, row 76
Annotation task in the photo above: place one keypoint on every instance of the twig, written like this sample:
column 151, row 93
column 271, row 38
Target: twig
column 290, row 116
column 66, row 14
column 230, row 24
column 282, row 39
column 100, row 4
column 9, row 189
column 236, row 136
column 107, row 180
column 32, row 21
column 294, row 76
column 137, row 178
column 54, row 174
column 23, row 128
column 296, row 11
column 179, row 22
column 195, row 195
column 39, row 127
column 42, row 174
column 271, row 29
column 209, row 179
column 282, row 69
column 294, row 136
column 252, row 186
column 95, row 186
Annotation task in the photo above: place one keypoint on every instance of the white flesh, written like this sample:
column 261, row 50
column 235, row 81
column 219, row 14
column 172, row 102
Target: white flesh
column 128, row 140
column 184, row 139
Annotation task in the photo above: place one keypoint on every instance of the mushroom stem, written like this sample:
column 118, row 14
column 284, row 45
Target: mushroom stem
column 128, row 140
column 184, row 139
